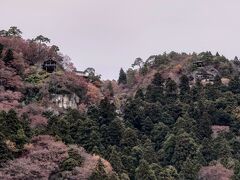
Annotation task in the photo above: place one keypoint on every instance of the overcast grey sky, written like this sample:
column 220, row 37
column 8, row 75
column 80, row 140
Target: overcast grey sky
column 109, row 34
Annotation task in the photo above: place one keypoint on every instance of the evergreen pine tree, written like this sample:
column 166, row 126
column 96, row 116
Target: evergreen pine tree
column 185, row 147
column 155, row 91
column 234, row 85
column 204, row 127
column 110, row 88
column 144, row 172
column 147, row 125
column 217, row 81
column 158, row 134
column 115, row 160
column 122, row 77
column 168, row 173
column 184, row 89
column 1, row 49
column 107, row 112
column 99, row 172
column 115, row 131
column 148, row 152
column 171, row 90
column 9, row 56
column 190, row 169
column 139, row 94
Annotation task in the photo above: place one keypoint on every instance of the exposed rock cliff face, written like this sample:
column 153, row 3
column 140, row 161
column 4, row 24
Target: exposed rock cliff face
column 66, row 101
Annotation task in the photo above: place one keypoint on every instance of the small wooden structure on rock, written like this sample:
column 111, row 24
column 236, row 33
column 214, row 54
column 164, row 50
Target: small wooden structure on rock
column 49, row 65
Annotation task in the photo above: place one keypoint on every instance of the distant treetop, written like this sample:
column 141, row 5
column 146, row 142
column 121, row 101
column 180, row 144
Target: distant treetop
column 13, row 31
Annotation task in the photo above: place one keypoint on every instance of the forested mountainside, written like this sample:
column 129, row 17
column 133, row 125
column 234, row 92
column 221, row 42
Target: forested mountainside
column 173, row 116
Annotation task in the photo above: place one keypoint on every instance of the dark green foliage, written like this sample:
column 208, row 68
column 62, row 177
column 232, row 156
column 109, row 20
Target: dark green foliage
column 168, row 148
column 145, row 172
column 149, row 153
column 222, row 148
column 235, row 144
column 68, row 164
column 185, row 123
column 167, row 119
column 99, row 173
column 106, row 112
column 129, row 138
column 147, row 125
column 185, row 147
column 158, row 134
column 184, row 89
column 171, row 90
column 14, row 130
column 164, row 130
column 32, row 94
column 122, row 77
column 74, row 159
column 204, row 127
column 155, row 91
column 1, row 49
column 197, row 91
column 207, row 150
column 5, row 153
column 139, row 94
column 165, row 124
column 110, row 88
column 190, row 169
column 168, row 173
column 115, row 160
column 115, row 131
column 234, row 84
column 8, row 56
column 61, row 127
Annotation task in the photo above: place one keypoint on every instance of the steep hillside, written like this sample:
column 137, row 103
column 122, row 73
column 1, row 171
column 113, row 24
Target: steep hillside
column 174, row 116
column 29, row 88
column 30, row 93
column 203, row 67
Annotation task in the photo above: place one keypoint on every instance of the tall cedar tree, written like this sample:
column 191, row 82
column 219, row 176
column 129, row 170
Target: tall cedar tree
column 155, row 91
column 184, row 89
column 234, row 85
column 9, row 56
column 171, row 89
column 107, row 112
column 204, row 127
column 122, row 77
column 145, row 172
column 1, row 49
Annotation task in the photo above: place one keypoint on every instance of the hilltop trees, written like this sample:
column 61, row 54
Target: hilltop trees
column 13, row 31
column 161, row 129
column 42, row 39
column 138, row 62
